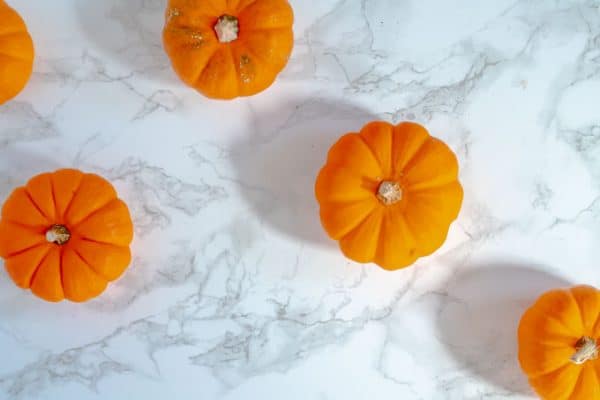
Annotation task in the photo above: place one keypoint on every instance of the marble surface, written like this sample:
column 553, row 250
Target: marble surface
column 235, row 292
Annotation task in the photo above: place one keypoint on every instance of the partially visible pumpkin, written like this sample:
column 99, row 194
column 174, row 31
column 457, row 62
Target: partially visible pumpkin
column 389, row 193
column 65, row 235
column 559, row 341
column 16, row 53
column 228, row 48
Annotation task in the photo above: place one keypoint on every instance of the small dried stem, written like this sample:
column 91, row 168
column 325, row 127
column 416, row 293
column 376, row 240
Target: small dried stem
column 389, row 192
column 227, row 28
column 58, row 234
column 587, row 349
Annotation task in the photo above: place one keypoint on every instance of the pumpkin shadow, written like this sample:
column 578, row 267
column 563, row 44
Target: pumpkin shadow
column 130, row 33
column 479, row 318
column 18, row 166
column 276, row 167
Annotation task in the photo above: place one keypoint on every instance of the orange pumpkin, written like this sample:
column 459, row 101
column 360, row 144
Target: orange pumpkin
column 559, row 344
column 389, row 193
column 16, row 53
column 65, row 235
column 228, row 48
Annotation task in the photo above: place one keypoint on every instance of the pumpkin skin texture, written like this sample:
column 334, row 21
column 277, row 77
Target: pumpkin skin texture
column 558, row 344
column 16, row 53
column 228, row 48
column 389, row 194
column 65, row 235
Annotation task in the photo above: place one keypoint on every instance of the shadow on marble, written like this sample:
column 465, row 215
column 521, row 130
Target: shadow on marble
column 277, row 165
column 479, row 319
column 18, row 166
column 130, row 33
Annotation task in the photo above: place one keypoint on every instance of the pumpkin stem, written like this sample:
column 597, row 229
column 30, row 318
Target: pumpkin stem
column 58, row 234
column 389, row 192
column 587, row 349
column 227, row 28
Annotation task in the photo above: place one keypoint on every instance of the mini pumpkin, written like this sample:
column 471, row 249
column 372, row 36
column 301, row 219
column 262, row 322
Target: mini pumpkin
column 559, row 344
column 389, row 193
column 16, row 53
column 228, row 48
column 65, row 235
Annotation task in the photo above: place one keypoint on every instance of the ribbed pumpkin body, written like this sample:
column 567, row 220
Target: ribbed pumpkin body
column 558, row 344
column 65, row 235
column 228, row 48
column 388, row 194
column 16, row 53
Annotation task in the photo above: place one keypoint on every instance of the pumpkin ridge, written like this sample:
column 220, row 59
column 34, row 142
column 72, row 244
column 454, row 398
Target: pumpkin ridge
column 577, row 383
column 373, row 181
column 46, row 191
column 173, row 53
column 396, row 175
column 258, row 61
column 444, row 235
column 36, row 205
column 241, row 9
column 387, row 172
column 196, row 80
column 5, row 57
column 15, row 265
column 66, row 212
column 579, row 311
column 433, row 188
column 272, row 29
column 9, row 32
column 408, row 162
column 11, row 57
column 13, row 33
column 596, row 367
column 561, row 323
column 236, row 80
column 555, row 343
column 99, row 275
column 177, row 5
column 257, row 9
column 594, row 374
column 10, row 220
column 56, row 210
column 90, row 215
column 247, row 49
column 596, row 319
column 596, row 329
column 372, row 153
column 548, row 371
column 410, row 233
column 546, row 375
column 90, row 211
column 16, row 253
column 447, row 213
column 89, row 264
column 355, row 225
column 415, row 159
column 409, row 236
column 430, row 184
column 355, row 231
column 346, row 161
column 37, row 268
column 61, row 271
column 331, row 169
column 87, row 239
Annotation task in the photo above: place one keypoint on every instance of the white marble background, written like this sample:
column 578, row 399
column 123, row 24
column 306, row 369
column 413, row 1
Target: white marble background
column 234, row 291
